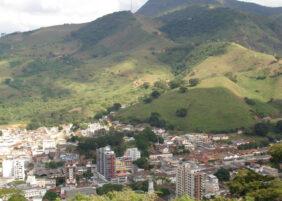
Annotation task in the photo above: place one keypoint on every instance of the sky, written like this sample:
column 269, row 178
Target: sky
column 25, row 15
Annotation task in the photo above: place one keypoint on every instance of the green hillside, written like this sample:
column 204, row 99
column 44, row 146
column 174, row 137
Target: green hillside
column 50, row 72
column 207, row 110
column 69, row 73
column 219, row 103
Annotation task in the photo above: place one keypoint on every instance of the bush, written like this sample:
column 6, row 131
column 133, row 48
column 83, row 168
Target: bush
column 183, row 90
column 223, row 174
column 261, row 129
column 50, row 196
column 147, row 100
column 249, row 101
column 109, row 188
column 156, row 120
column 279, row 125
column 155, row 94
column 142, row 163
column 181, row 112
column 194, row 82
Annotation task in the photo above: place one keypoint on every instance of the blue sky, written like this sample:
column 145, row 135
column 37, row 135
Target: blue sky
column 24, row 15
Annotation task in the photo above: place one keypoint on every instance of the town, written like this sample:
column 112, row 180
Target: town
column 54, row 160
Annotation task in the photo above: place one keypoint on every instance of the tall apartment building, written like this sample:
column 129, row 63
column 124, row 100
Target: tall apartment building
column 190, row 181
column 106, row 162
column 19, row 169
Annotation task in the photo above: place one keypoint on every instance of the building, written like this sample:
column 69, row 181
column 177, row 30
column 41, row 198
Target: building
column 71, row 177
column 19, row 169
column 211, row 186
column 7, row 168
column 190, row 181
column 48, row 145
column 106, row 162
column 120, row 171
column 133, row 153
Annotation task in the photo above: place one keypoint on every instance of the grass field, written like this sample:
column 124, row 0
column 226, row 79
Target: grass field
column 213, row 109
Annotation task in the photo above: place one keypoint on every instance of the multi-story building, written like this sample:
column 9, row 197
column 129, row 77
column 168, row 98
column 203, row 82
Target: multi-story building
column 106, row 162
column 71, row 176
column 133, row 153
column 19, row 169
column 7, row 168
column 211, row 186
column 190, row 181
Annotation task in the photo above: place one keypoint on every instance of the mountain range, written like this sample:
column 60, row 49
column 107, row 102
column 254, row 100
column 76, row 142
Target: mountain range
column 71, row 72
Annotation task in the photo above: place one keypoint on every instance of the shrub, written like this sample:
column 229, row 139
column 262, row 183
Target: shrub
column 181, row 112
column 194, row 82
column 155, row 94
column 249, row 101
column 261, row 129
column 183, row 90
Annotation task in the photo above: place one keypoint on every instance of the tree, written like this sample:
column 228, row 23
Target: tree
column 194, row 82
column 50, row 196
column 183, row 198
column 109, row 188
column 17, row 197
column 142, row 163
column 279, row 126
column 182, row 112
column 183, row 90
column 222, row 174
column 249, row 101
column 261, row 129
column 147, row 100
column 276, row 153
column 155, row 94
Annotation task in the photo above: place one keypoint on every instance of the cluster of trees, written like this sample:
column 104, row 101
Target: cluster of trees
column 263, row 128
column 276, row 153
column 223, row 175
column 145, row 139
column 125, row 195
column 88, row 145
column 254, row 145
column 248, row 183
column 10, row 194
column 115, row 107
column 109, row 188
column 54, row 164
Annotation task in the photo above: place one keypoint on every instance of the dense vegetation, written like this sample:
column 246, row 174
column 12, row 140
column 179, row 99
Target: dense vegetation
column 261, row 188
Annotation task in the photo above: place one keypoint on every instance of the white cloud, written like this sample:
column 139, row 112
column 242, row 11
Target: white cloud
column 23, row 15
column 273, row 3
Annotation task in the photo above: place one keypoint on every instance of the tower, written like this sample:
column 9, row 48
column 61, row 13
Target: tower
column 151, row 185
column 106, row 162
column 191, row 181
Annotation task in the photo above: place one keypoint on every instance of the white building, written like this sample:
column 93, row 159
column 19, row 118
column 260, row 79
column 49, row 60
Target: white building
column 48, row 144
column 19, row 169
column 133, row 153
column 211, row 186
column 31, row 193
column 190, row 181
column 7, row 168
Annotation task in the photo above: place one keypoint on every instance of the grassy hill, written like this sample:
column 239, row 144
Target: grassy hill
column 219, row 103
column 52, row 72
